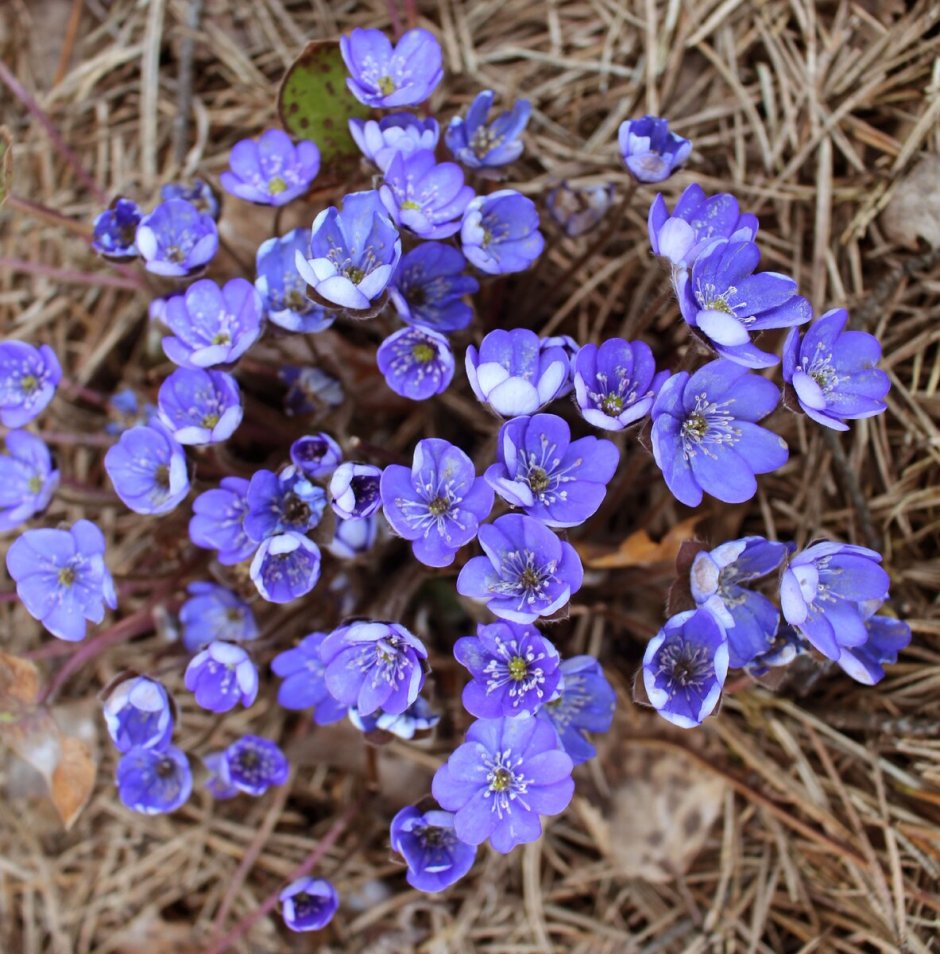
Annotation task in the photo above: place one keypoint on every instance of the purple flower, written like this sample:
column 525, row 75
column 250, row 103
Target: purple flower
column 309, row 390
column 154, row 781
column 212, row 325
column 424, row 196
column 126, row 406
column 481, row 145
column 218, row 521
column 200, row 407
column 435, row 856
column 252, row 765
column 749, row 619
column 61, row 577
column 147, row 468
column 418, row 717
column 781, row 650
column 198, row 193
column 221, row 676
column 725, row 301
column 283, row 290
column 578, row 210
column 500, row 232
column 212, row 612
column 513, row 374
column 583, row 703
column 218, row 784
column 138, row 713
column 316, row 455
column 705, row 438
column 571, row 349
column 304, row 686
column 28, row 478
column 282, row 502
column 271, row 170
column 527, row 571
column 28, row 379
column 437, row 504
column 821, row 592
column 886, row 638
column 354, row 253
column 695, row 223
column 308, row 904
column 685, row 666
column 509, row 772
column 650, row 151
column 429, row 287
column 417, row 363
column 285, row 567
column 616, row 383
column 354, row 489
column 399, row 134
column 176, row 239
column 833, row 371
column 113, row 234
column 554, row 479
column 514, row 670
column 384, row 76
column 353, row 537
column 374, row 665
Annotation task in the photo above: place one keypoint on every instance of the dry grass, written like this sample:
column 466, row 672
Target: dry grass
column 828, row 831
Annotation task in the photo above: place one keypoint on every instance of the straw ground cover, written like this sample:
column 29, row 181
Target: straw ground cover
column 803, row 818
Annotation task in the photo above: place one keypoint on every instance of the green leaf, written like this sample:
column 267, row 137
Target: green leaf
column 6, row 163
column 314, row 103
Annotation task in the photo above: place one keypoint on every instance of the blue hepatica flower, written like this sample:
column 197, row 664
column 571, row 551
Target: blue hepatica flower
column 481, row 145
column 823, row 591
column 429, row 288
column 554, row 479
column 147, row 468
column 283, row 291
column 218, row 521
column 384, row 76
column 198, row 193
column 685, row 666
column 127, row 409
column 527, row 571
column 221, row 676
column 695, row 223
column 316, row 455
column 354, row 490
column 435, row 856
column 833, row 371
column 271, row 170
column 200, row 407
column 728, row 572
column 212, row 325
column 507, row 774
column 782, row 649
column 886, row 638
column 514, row 669
column 353, row 537
column 418, row 717
column 374, row 665
column 114, row 232
column 514, row 374
column 705, row 439
column 28, row 379
column 309, row 390
column 28, row 478
column 725, row 301
column 438, row 503
column 213, row 612
column 304, row 685
column 308, row 904
column 252, row 765
column 153, row 781
column 417, row 363
column 424, row 196
column 61, row 577
column 282, row 502
column 401, row 133
column 353, row 253
column 500, row 232
column 579, row 210
column 176, row 239
column 584, row 702
column 138, row 713
column 285, row 567
column 571, row 349
column 649, row 150
column 615, row 384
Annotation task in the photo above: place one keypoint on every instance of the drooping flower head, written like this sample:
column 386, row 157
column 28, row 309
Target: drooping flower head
column 28, row 379
column 685, row 666
column 304, row 685
column 308, row 904
column 196, row 192
column 527, row 571
column 833, row 371
column 138, row 713
column 282, row 288
column 649, row 150
column 482, row 145
column 218, row 521
column 285, row 567
column 282, row 502
column 114, row 232
column 176, row 239
column 705, row 439
column 886, row 638
column 147, row 468
column 28, row 478
column 200, row 407
column 271, row 170
column 508, row 773
column 354, row 490
column 429, row 288
column 252, row 765
column 221, row 676
column 154, row 781
column 500, row 232
column 399, row 134
column 435, row 856
column 61, row 577
column 384, row 76
column 213, row 612
column 417, row 362
column 578, row 210
column 438, row 503
column 316, row 455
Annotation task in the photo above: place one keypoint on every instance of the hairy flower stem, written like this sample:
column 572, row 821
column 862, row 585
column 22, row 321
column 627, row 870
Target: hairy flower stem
column 73, row 277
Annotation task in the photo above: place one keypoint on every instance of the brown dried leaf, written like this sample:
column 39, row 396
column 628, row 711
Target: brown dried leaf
column 913, row 211
column 73, row 779
column 639, row 549
column 19, row 683
column 35, row 738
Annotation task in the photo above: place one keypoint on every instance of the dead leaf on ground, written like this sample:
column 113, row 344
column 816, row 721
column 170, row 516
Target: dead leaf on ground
column 913, row 212
column 73, row 779
column 639, row 549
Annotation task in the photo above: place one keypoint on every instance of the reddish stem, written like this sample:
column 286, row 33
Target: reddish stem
column 72, row 276
column 392, row 7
